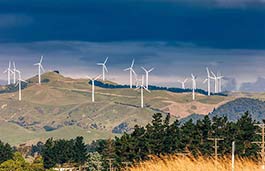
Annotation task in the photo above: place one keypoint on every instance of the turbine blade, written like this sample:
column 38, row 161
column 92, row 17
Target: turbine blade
column 105, row 68
column 213, row 74
column 150, row 70
column 42, row 68
column 106, row 60
column 132, row 63
column 144, row 69
column 41, row 58
column 127, row 69
column 37, row 64
column 97, row 77
column 14, row 65
column 100, row 64
column 207, row 69
column 185, row 80
column 147, row 89
column 205, row 80
column 17, row 84
column 24, row 81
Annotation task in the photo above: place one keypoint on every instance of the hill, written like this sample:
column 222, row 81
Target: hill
column 61, row 103
column 233, row 110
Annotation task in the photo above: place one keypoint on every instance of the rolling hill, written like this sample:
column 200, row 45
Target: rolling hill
column 62, row 107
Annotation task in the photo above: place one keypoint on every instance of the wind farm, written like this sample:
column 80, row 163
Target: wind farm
column 117, row 85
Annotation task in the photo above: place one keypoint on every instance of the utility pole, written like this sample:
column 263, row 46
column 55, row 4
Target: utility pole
column 233, row 156
column 261, row 144
column 216, row 140
column 110, row 164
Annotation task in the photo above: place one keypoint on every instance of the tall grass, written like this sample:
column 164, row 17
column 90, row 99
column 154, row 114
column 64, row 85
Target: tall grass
column 178, row 163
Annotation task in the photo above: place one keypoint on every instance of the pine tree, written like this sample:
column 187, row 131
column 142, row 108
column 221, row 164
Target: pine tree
column 80, row 152
column 6, row 152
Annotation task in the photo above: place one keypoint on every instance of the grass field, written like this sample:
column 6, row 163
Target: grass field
column 173, row 163
column 14, row 134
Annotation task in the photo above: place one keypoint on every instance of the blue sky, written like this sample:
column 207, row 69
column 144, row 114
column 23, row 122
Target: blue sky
column 177, row 37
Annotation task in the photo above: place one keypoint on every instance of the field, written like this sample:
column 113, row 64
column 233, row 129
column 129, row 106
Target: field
column 181, row 163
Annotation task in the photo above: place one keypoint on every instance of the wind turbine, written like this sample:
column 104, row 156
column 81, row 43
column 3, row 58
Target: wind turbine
column 131, row 72
column 183, row 83
column 104, row 68
column 193, row 78
column 40, row 68
column 220, row 77
column 215, row 82
column 142, row 88
column 9, row 72
column 147, row 76
column 14, row 72
column 93, row 86
column 19, row 84
column 208, row 79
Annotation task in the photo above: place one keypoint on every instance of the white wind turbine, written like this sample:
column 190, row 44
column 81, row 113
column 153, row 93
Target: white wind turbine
column 104, row 68
column 131, row 72
column 147, row 76
column 9, row 71
column 14, row 72
column 142, row 88
column 215, row 82
column 19, row 84
column 183, row 83
column 193, row 78
column 40, row 67
column 219, row 78
column 93, row 86
column 208, row 79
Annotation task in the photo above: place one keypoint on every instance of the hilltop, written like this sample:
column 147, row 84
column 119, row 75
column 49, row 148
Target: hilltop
column 62, row 104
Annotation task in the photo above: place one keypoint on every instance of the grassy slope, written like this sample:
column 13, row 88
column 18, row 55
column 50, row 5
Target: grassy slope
column 64, row 100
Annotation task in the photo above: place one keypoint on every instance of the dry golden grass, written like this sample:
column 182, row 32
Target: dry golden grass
column 173, row 163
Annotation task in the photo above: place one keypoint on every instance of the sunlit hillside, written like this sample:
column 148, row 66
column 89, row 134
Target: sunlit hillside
column 61, row 102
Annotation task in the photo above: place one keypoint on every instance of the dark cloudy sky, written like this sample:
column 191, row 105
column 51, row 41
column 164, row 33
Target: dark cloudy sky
column 176, row 37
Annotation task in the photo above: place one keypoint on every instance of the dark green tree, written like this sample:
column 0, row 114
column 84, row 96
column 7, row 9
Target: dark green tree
column 6, row 152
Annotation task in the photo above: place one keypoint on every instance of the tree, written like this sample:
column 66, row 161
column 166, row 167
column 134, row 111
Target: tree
column 80, row 151
column 17, row 164
column 49, row 158
column 94, row 161
column 6, row 152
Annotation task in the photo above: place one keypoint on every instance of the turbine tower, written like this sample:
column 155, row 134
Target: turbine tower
column 19, row 84
column 14, row 72
column 142, row 88
column 40, row 67
column 147, row 76
column 93, row 86
column 104, row 68
column 9, row 71
column 193, row 78
column 183, row 83
column 131, row 72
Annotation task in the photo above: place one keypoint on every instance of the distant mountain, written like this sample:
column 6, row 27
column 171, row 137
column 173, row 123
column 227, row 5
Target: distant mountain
column 233, row 110
column 194, row 117
column 257, row 86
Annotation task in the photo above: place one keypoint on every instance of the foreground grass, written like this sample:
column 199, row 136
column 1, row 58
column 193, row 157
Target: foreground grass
column 173, row 163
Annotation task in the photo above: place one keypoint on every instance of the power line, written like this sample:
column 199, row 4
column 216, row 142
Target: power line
column 216, row 140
